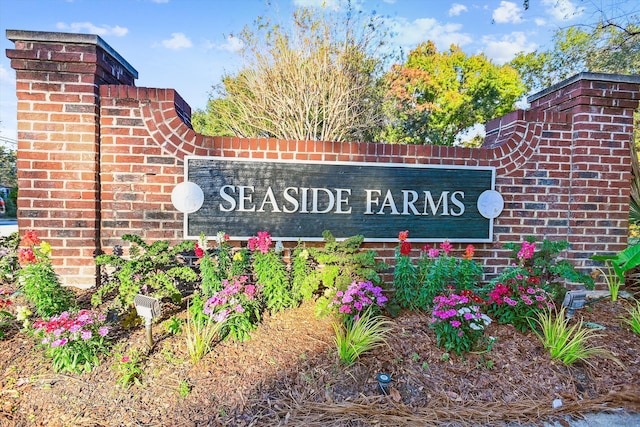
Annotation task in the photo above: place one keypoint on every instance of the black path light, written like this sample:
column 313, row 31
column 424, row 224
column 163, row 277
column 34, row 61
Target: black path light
column 383, row 383
column 574, row 300
column 149, row 309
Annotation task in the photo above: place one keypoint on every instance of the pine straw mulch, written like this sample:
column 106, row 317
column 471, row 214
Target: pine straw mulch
column 288, row 374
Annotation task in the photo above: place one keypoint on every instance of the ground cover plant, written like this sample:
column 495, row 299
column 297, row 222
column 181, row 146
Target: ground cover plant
column 449, row 361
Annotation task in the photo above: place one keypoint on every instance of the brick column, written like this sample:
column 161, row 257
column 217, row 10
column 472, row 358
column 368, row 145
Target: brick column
column 57, row 84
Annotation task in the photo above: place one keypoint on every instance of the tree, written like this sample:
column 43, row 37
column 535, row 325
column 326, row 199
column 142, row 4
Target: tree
column 318, row 80
column 433, row 97
column 605, row 49
column 8, row 170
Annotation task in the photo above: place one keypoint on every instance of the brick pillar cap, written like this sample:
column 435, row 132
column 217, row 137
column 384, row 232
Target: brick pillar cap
column 70, row 38
column 601, row 77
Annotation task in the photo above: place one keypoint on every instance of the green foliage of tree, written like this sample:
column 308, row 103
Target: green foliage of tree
column 317, row 79
column 607, row 48
column 8, row 169
column 434, row 96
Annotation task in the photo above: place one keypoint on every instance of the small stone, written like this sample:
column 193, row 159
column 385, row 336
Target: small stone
column 557, row 403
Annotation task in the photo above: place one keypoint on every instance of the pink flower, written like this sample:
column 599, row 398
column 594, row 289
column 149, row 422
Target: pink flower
column 86, row 335
column 446, row 246
column 125, row 359
column 526, row 251
column 403, row 235
column 433, row 253
column 104, row 330
column 455, row 323
column 198, row 250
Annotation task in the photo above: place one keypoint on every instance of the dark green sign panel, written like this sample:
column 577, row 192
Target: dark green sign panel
column 299, row 200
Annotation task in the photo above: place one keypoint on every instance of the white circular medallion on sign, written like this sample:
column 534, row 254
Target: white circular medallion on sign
column 187, row 197
column 490, row 204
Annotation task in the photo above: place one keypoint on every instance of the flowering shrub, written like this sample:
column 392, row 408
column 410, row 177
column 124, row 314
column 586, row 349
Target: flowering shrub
column 436, row 270
column 271, row 273
column 74, row 341
column 358, row 297
column 237, row 305
column 543, row 260
column 38, row 280
column 518, row 300
column 219, row 263
column 458, row 322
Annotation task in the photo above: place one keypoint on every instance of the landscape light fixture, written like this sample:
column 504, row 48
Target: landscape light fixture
column 574, row 300
column 149, row 308
column 383, row 383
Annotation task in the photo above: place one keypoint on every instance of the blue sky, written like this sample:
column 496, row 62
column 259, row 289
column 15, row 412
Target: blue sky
column 188, row 44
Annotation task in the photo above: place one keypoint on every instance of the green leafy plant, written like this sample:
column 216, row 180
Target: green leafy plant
column 184, row 388
column 634, row 318
column 152, row 269
column 236, row 308
column 200, row 336
column 617, row 265
column 173, row 325
column 436, row 271
column 270, row 273
column 543, row 260
column 567, row 343
column 338, row 264
column 37, row 279
column 74, row 340
column 359, row 336
column 219, row 263
column 129, row 368
column 457, row 322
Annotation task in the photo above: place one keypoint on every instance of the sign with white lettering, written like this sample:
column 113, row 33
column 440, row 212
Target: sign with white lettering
column 299, row 200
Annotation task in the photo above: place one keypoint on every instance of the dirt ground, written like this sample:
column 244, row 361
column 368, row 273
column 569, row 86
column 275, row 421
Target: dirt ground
column 289, row 374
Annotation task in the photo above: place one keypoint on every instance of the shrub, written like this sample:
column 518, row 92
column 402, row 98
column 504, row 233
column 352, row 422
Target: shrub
column 151, row 269
column 38, row 281
column 458, row 322
column 270, row 273
column 236, row 308
column 74, row 340
column 359, row 297
column 435, row 272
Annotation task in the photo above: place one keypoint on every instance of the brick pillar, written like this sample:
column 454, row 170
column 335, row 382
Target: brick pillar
column 57, row 85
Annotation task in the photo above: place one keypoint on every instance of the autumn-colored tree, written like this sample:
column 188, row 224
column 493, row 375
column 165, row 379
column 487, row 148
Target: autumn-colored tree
column 317, row 80
column 434, row 96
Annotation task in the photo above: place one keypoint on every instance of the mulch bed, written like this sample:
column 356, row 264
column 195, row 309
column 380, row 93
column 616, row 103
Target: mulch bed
column 289, row 374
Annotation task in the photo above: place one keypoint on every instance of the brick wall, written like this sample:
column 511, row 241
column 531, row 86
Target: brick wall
column 98, row 157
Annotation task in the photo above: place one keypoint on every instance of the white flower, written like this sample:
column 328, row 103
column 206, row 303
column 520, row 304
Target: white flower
column 279, row 247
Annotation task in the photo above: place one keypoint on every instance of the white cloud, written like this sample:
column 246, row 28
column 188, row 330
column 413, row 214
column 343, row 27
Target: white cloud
column 233, row 44
column 508, row 13
column 329, row 4
column 505, row 49
column 177, row 41
column 102, row 30
column 410, row 34
column 457, row 9
column 563, row 10
column 540, row 22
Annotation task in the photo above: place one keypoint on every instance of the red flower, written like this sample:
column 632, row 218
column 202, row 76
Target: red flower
column 405, row 248
column 199, row 251
column 403, row 235
column 26, row 256
column 30, row 238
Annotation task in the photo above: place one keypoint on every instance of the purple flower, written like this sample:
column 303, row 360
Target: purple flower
column 455, row 323
column 104, row 330
column 86, row 335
